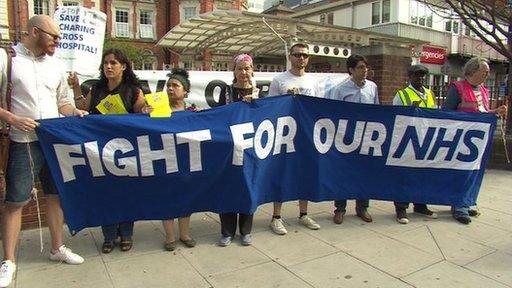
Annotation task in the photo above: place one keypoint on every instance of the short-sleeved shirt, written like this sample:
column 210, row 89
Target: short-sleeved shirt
column 285, row 82
column 349, row 91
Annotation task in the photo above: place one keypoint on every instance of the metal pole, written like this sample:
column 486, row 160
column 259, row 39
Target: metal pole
column 284, row 41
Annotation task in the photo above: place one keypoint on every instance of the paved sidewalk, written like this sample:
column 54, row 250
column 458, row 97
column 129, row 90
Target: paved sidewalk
column 423, row 253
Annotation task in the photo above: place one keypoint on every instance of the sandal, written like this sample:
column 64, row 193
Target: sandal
column 107, row 247
column 126, row 244
column 170, row 246
column 189, row 243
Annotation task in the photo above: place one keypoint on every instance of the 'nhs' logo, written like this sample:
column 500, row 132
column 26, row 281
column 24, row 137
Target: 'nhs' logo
column 437, row 143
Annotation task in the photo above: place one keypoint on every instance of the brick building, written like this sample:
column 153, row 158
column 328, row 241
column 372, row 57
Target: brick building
column 132, row 22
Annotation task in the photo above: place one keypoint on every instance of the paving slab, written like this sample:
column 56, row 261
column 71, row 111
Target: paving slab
column 392, row 256
column 292, row 248
column 155, row 270
column 210, row 259
column 446, row 274
column 29, row 250
column 92, row 273
column 342, row 270
column 269, row 274
column 497, row 266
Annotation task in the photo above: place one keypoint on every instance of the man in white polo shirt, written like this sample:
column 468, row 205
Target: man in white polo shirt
column 39, row 92
column 294, row 81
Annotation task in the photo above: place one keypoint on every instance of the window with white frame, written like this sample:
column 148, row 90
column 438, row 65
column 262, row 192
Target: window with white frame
column 322, row 18
column 189, row 12
column 146, row 24
column 122, row 24
column 381, row 12
column 41, row 7
column 452, row 26
column 421, row 14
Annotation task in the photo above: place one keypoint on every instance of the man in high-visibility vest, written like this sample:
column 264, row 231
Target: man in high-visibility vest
column 416, row 94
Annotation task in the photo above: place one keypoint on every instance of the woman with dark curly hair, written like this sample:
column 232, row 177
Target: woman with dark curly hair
column 178, row 86
column 116, row 77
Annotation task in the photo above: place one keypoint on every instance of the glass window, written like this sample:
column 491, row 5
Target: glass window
column 41, row 7
column 414, row 12
column 386, row 11
column 122, row 28
column 189, row 12
column 330, row 18
column 375, row 13
column 322, row 18
column 145, row 24
column 421, row 14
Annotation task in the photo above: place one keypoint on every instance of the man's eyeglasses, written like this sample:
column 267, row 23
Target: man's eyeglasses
column 299, row 55
column 55, row 37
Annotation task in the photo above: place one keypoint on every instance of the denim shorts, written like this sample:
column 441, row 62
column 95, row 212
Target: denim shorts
column 19, row 182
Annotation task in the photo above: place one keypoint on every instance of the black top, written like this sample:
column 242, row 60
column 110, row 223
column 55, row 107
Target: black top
column 237, row 94
column 127, row 92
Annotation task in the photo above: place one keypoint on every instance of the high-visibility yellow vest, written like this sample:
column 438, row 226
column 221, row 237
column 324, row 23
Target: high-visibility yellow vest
column 409, row 96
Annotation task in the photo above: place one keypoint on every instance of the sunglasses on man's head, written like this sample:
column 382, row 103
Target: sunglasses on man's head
column 299, row 55
column 54, row 36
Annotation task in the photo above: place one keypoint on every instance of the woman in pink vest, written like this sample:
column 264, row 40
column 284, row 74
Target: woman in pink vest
column 470, row 95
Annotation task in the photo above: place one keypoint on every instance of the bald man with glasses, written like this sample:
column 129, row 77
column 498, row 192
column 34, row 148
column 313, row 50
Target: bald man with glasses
column 39, row 91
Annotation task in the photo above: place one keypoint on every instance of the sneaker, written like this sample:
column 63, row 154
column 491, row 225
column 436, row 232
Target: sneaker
column 278, row 226
column 464, row 219
column 401, row 216
column 308, row 222
column 246, row 239
column 65, row 254
column 7, row 270
column 225, row 241
column 423, row 210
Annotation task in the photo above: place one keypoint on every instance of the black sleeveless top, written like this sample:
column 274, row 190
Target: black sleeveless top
column 237, row 94
column 128, row 93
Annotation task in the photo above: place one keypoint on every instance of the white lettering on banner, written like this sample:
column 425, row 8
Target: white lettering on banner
column 194, row 139
column 370, row 142
column 168, row 153
column 240, row 143
column 437, row 143
column 112, row 156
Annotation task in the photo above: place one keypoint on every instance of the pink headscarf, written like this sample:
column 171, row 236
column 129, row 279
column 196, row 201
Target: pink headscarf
column 242, row 57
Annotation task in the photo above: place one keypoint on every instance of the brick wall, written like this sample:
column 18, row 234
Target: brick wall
column 390, row 74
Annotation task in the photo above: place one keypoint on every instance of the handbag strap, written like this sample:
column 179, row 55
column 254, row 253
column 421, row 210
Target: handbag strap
column 8, row 91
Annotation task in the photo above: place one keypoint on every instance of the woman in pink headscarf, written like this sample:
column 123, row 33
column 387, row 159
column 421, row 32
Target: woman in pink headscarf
column 242, row 89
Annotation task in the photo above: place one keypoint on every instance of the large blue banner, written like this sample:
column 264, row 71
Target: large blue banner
column 110, row 169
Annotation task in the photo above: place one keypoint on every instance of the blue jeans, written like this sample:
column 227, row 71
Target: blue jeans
column 460, row 211
column 19, row 182
column 361, row 205
column 112, row 232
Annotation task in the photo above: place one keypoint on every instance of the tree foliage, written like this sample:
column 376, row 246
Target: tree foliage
column 136, row 54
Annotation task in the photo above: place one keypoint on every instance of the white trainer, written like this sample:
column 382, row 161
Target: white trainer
column 65, row 254
column 308, row 222
column 278, row 226
column 7, row 270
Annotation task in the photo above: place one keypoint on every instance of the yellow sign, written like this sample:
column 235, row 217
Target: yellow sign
column 160, row 103
column 112, row 104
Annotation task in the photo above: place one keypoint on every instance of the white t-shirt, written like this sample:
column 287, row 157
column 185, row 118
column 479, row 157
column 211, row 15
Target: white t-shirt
column 285, row 82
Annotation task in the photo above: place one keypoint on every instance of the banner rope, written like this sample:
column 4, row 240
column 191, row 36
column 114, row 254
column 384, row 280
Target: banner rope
column 34, row 192
column 502, row 128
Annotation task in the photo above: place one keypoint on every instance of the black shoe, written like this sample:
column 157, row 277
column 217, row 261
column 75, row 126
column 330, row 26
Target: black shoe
column 423, row 210
column 401, row 216
column 473, row 212
column 464, row 219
